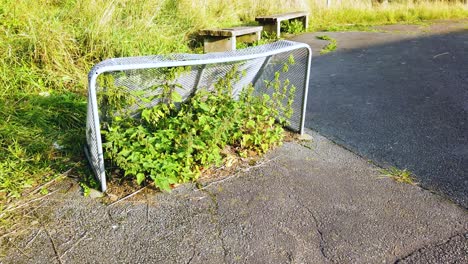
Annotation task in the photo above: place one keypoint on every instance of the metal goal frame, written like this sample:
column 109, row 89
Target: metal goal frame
column 260, row 62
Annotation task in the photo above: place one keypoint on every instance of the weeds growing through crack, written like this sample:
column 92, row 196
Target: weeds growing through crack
column 401, row 176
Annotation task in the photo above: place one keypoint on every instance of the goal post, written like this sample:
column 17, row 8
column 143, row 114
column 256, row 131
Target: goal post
column 135, row 76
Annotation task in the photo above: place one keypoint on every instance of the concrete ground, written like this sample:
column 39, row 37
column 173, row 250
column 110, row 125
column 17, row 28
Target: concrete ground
column 309, row 202
column 306, row 202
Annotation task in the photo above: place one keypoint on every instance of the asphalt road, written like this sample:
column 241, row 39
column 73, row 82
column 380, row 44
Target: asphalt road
column 305, row 202
column 399, row 98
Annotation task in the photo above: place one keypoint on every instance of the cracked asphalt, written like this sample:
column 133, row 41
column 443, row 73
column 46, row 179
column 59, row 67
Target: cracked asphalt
column 306, row 202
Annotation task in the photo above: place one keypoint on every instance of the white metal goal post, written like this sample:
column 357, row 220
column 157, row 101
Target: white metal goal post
column 137, row 74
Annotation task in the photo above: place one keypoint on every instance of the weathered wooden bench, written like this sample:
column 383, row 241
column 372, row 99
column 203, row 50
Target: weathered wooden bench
column 225, row 39
column 272, row 23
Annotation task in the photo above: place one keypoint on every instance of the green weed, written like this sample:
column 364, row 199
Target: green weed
column 401, row 176
column 331, row 46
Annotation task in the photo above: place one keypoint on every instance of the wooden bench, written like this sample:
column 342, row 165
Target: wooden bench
column 225, row 39
column 272, row 23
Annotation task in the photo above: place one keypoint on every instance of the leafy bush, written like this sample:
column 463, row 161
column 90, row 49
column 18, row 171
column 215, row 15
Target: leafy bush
column 174, row 142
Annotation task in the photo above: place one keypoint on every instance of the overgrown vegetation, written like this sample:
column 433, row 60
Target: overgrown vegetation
column 331, row 46
column 170, row 145
column 49, row 46
column 294, row 26
column 40, row 137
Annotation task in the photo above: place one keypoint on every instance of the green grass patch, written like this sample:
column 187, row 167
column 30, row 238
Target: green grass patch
column 331, row 46
column 350, row 27
column 40, row 136
column 352, row 17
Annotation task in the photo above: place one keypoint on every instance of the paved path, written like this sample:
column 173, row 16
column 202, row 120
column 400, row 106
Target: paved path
column 399, row 98
column 310, row 203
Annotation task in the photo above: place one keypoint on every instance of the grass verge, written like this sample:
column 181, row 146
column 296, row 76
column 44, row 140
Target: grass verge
column 362, row 17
